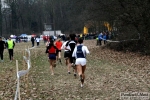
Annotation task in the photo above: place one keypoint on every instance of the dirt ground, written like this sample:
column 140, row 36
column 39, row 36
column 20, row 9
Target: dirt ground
column 108, row 74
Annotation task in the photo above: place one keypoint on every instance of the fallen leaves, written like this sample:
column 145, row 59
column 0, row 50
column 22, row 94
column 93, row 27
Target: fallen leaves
column 107, row 74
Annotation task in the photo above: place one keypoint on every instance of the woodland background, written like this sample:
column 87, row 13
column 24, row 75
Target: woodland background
column 127, row 19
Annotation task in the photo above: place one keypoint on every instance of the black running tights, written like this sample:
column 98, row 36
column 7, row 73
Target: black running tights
column 10, row 53
column 1, row 53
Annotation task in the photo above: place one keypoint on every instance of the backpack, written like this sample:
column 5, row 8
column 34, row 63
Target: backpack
column 52, row 49
column 79, row 52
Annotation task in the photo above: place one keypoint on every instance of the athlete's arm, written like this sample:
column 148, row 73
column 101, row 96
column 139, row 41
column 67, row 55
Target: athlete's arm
column 55, row 47
column 13, row 44
column 6, row 44
column 47, row 49
column 63, row 45
column 86, row 50
column 67, row 44
column 74, row 52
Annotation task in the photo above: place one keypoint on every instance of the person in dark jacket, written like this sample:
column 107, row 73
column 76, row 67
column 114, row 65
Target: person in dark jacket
column 2, row 47
column 32, row 40
column 100, row 38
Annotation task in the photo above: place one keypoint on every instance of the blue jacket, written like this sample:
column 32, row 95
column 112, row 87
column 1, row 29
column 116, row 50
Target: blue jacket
column 100, row 36
column 104, row 37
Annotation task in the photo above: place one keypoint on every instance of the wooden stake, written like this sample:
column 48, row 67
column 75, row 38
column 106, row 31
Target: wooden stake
column 18, row 85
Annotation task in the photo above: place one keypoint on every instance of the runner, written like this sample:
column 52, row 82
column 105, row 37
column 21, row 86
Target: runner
column 79, row 53
column 66, row 53
column 51, row 50
column 71, row 45
column 48, row 42
column 58, row 44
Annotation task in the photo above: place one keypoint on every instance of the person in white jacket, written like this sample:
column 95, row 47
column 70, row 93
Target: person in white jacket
column 37, row 41
column 79, row 53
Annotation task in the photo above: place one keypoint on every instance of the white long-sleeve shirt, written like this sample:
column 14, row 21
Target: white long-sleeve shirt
column 64, row 45
column 84, row 50
column 37, row 39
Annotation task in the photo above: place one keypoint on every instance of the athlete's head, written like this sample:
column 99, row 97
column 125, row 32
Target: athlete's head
column 72, row 36
column 51, row 43
column 9, row 38
column 67, row 38
column 59, row 39
column 80, row 40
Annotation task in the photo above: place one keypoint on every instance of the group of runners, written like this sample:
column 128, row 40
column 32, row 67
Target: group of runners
column 74, row 54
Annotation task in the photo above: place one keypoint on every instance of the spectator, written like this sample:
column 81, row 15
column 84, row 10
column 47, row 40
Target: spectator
column 37, row 40
column 10, row 45
column 2, row 46
column 32, row 40
column 100, row 38
column 104, row 37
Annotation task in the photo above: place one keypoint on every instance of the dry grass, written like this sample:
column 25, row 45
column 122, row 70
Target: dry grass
column 108, row 73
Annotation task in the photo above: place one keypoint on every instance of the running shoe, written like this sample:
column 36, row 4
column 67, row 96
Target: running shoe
column 73, row 65
column 69, row 73
column 81, row 79
column 60, row 61
column 52, row 74
column 75, row 74
column 81, row 85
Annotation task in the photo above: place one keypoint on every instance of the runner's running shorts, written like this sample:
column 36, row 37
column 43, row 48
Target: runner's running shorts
column 52, row 56
column 80, row 61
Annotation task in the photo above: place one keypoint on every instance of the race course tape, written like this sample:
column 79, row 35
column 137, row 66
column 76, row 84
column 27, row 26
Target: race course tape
column 22, row 73
column 25, row 58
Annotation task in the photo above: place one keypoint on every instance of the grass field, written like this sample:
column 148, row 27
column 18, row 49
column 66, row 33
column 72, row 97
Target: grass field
column 108, row 73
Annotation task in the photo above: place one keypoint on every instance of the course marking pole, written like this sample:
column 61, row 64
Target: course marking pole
column 18, row 85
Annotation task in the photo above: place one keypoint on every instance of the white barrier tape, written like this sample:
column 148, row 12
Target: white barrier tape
column 121, row 40
column 112, row 41
column 25, row 58
column 29, row 53
column 22, row 73
column 28, row 64
column 26, row 50
column 32, row 47
column 16, row 94
column 17, row 75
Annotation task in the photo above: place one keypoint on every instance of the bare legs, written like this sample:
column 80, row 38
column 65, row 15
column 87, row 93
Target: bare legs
column 81, row 70
column 52, row 65
column 68, row 65
column 59, row 57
